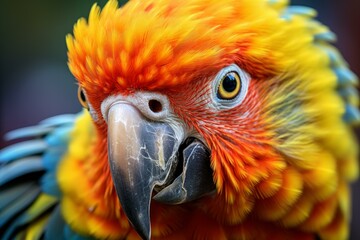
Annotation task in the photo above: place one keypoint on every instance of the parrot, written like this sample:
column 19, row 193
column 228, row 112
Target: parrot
column 202, row 119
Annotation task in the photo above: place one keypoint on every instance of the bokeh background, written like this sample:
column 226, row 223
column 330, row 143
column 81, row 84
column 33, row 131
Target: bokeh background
column 35, row 82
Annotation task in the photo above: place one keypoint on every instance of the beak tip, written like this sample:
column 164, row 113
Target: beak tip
column 137, row 212
column 142, row 227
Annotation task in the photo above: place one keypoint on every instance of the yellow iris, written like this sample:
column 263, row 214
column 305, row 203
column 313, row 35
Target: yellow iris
column 230, row 86
column 82, row 98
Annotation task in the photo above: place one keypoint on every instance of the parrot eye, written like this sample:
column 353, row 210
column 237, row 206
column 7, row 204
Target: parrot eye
column 230, row 87
column 82, row 98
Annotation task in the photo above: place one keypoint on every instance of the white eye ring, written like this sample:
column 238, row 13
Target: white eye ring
column 220, row 103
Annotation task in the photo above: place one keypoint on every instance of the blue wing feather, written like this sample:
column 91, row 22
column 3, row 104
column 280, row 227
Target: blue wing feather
column 345, row 76
column 49, row 184
column 20, row 168
column 10, row 195
column 36, row 158
column 18, row 206
column 59, row 137
column 301, row 10
column 352, row 114
column 22, row 149
column 349, row 94
column 27, row 217
column 35, row 131
column 325, row 36
column 59, row 120
column 51, row 158
column 55, row 226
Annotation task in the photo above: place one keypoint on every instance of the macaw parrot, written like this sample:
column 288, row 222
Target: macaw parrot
column 202, row 120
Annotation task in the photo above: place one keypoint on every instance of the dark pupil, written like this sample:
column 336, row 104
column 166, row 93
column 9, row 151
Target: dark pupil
column 82, row 96
column 229, row 83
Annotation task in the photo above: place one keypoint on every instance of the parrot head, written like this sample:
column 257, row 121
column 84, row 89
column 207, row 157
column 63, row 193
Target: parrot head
column 202, row 99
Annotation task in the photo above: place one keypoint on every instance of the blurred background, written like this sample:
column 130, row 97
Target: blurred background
column 35, row 82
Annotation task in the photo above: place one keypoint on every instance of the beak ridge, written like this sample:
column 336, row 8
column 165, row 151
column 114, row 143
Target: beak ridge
column 142, row 154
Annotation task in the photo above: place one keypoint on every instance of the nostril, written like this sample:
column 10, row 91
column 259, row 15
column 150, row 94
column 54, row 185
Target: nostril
column 155, row 106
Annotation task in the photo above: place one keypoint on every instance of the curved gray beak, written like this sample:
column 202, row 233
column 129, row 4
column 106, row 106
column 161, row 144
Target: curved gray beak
column 144, row 154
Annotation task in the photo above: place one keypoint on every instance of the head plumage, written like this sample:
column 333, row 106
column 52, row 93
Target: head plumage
column 155, row 44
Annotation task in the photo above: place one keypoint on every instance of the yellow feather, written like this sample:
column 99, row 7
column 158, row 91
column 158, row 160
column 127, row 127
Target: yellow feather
column 36, row 229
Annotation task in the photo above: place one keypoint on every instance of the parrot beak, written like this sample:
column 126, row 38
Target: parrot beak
column 144, row 155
